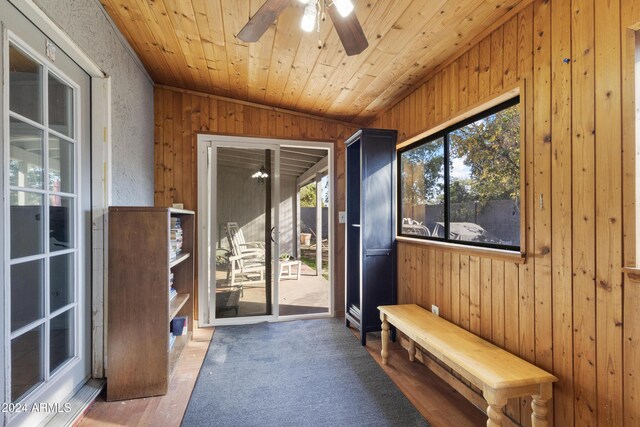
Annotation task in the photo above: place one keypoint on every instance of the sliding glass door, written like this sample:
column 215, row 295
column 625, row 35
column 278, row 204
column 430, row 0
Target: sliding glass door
column 265, row 221
column 242, row 229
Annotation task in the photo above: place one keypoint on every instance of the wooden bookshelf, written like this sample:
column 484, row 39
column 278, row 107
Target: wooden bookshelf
column 140, row 310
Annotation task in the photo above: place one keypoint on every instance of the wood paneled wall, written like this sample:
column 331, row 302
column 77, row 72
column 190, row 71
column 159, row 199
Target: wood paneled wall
column 563, row 308
column 181, row 115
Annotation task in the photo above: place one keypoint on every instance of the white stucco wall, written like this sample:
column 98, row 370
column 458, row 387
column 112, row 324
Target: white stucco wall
column 86, row 22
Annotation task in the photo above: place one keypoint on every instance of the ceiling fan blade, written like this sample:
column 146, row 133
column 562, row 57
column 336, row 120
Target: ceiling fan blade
column 350, row 31
column 265, row 16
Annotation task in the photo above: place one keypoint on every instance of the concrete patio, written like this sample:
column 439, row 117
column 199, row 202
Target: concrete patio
column 308, row 295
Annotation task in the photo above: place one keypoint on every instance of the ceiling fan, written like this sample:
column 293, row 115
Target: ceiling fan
column 341, row 12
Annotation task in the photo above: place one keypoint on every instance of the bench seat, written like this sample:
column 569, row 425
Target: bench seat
column 498, row 373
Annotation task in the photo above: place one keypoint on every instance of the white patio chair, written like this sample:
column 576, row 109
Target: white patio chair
column 239, row 245
column 247, row 259
column 246, row 266
column 415, row 228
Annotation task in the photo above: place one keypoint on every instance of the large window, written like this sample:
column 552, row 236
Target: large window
column 463, row 184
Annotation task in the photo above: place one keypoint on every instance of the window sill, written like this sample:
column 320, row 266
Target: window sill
column 499, row 254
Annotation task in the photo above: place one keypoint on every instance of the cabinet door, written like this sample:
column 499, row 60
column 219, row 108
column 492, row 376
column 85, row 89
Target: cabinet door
column 378, row 205
column 378, row 201
column 378, row 276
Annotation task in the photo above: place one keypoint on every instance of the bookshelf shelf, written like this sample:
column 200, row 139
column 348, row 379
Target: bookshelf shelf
column 175, row 211
column 179, row 259
column 176, row 304
column 140, row 308
column 176, row 350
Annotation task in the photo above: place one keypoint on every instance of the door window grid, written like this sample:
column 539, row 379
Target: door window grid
column 51, row 196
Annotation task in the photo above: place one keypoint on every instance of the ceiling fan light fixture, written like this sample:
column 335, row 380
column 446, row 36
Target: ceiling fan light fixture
column 341, row 12
column 345, row 7
column 308, row 22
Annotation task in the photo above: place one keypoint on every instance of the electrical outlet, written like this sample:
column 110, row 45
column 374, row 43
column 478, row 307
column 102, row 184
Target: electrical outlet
column 435, row 310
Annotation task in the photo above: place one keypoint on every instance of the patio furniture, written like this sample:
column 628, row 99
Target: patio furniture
column 236, row 239
column 246, row 266
column 247, row 259
column 411, row 226
column 286, row 271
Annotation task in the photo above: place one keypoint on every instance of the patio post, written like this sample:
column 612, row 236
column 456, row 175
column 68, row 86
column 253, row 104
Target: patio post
column 297, row 229
column 318, row 225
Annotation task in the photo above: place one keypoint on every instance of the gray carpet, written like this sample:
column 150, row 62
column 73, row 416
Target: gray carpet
column 300, row 373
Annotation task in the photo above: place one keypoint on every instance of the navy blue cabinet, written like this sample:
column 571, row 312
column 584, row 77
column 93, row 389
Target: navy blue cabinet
column 370, row 227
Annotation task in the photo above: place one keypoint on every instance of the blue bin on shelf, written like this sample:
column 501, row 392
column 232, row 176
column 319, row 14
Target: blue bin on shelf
column 179, row 325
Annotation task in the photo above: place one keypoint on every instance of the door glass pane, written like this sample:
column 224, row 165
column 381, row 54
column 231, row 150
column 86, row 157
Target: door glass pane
column 61, row 166
column 243, row 221
column 26, row 166
column 422, row 187
column 61, row 215
column 304, row 284
column 60, row 106
column 27, row 288
column 26, row 220
column 485, row 180
column 27, row 367
column 61, row 339
column 61, row 280
column 25, row 85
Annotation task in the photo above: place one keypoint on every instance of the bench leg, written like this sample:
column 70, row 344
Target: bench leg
column 539, row 406
column 496, row 401
column 412, row 350
column 385, row 338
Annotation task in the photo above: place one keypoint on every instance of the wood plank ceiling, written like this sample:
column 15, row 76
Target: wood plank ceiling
column 192, row 44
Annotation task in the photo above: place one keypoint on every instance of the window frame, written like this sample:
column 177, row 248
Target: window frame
column 444, row 134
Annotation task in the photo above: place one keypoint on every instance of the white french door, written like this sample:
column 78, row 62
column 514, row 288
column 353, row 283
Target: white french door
column 46, row 175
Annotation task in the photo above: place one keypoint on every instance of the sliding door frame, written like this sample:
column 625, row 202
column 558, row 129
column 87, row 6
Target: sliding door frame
column 206, row 309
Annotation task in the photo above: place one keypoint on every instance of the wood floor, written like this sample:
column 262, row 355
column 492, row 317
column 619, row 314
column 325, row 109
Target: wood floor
column 435, row 400
column 164, row 410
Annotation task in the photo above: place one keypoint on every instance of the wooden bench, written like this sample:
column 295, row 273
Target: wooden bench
column 499, row 374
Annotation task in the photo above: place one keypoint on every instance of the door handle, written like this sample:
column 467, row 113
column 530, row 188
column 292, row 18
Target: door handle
column 272, row 230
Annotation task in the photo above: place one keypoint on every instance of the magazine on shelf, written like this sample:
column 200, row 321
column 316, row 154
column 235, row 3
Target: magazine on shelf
column 175, row 238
